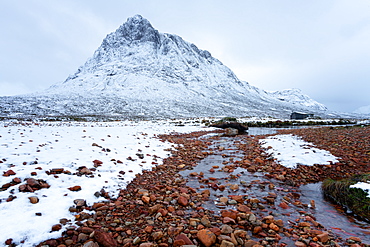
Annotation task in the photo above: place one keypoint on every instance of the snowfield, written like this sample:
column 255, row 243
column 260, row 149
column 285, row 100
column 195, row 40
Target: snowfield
column 124, row 148
column 290, row 151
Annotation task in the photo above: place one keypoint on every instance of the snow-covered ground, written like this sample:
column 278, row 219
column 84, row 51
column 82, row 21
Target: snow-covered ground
column 290, row 150
column 125, row 148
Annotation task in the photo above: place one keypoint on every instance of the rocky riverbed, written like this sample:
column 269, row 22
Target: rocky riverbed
column 224, row 191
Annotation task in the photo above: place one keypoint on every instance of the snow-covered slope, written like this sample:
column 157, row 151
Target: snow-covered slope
column 140, row 72
column 363, row 110
column 138, row 61
column 295, row 96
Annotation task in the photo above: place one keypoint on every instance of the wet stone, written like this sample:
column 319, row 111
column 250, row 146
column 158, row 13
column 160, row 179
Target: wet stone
column 226, row 229
column 207, row 237
column 226, row 243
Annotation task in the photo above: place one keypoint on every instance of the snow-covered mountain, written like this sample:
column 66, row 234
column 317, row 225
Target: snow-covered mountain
column 140, row 72
column 295, row 96
column 363, row 110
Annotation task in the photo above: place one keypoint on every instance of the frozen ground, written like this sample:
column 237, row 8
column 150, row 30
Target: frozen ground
column 290, row 150
column 125, row 148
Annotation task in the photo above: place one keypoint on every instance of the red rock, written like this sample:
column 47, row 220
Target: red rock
column 356, row 239
column 183, row 190
column 97, row 205
column 9, row 241
column 119, row 229
column 10, row 198
column 182, row 201
column 86, row 230
column 257, row 230
column 157, row 235
column 97, row 163
column 75, row 188
column 184, row 238
column 56, row 227
column 147, row 244
column 283, row 205
column 216, row 231
column 279, row 223
column 323, row 237
column 154, row 209
column 268, row 219
column 231, row 214
column 304, row 224
column 33, row 183
column 153, row 198
column 316, row 232
column 240, row 234
column 238, row 198
column 222, row 187
column 243, row 208
column 299, row 244
column 104, row 239
column 206, row 192
column 9, row 173
column 258, row 160
column 145, row 199
column 227, row 220
column 171, row 209
column 178, row 243
column 163, row 211
column 148, row 229
column 51, row 243
column 274, row 227
column 250, row 243
column 7, row 185
column 56, row 170
column 207, row 237
column 17, row 180
column 33, row 199
column 174, row 231
column 44, row 185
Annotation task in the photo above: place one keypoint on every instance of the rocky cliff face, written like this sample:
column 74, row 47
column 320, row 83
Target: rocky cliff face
column 138, row 71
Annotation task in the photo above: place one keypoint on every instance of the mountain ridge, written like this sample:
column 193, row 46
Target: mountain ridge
column 138, row 71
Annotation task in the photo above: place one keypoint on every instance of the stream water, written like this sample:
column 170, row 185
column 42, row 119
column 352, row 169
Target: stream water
column 256, row 185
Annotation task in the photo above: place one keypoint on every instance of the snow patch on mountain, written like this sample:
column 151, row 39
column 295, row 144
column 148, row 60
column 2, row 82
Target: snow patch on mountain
column 363, row 110
column 295, row 96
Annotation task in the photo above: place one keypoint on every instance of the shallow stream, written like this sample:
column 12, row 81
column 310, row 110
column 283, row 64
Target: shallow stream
column 256, row 185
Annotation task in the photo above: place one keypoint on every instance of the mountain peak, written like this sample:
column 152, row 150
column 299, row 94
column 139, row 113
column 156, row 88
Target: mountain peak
column 136, row 29
column 136, row 19
column 139, row 71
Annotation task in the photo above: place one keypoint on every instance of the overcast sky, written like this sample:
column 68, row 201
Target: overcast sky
column 319, row 46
